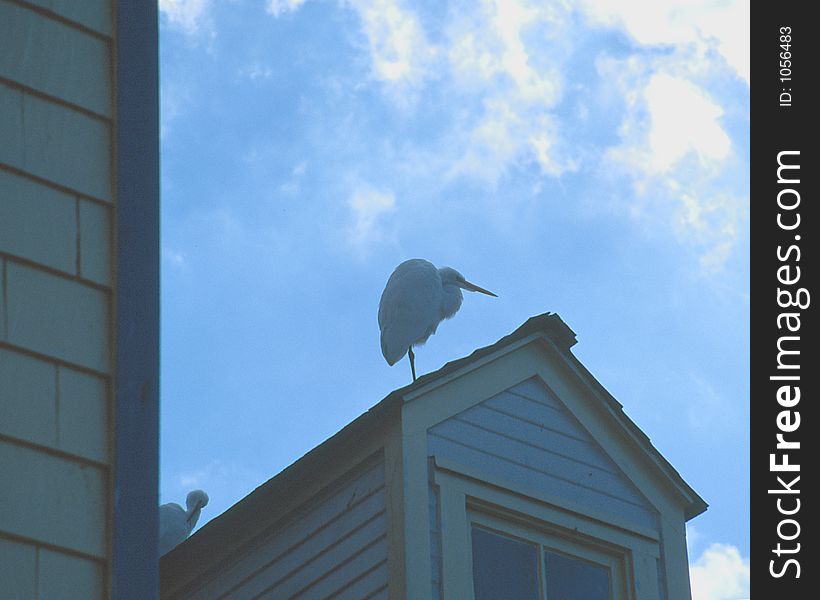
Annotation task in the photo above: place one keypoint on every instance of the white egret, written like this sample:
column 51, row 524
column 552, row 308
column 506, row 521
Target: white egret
column 176, row 524
column 417, row 297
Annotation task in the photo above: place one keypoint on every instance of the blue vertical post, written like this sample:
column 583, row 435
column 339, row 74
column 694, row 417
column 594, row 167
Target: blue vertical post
column 135, row 568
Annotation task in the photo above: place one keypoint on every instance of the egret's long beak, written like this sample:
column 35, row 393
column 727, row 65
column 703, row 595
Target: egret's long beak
column 474, row 288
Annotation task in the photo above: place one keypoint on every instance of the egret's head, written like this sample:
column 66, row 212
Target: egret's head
column 450, row 276
column 196, row 500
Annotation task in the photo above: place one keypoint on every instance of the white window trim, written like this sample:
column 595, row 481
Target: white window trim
column 464, row 499
column 615, row 561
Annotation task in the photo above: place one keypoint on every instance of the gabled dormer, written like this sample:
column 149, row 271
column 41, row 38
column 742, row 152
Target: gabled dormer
column 510, row 473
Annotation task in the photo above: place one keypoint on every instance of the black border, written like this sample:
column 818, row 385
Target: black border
column 781, row 124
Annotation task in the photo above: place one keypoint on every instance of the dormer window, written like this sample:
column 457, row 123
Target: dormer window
column 571, row 577
column 516, row 555
column 506, row 568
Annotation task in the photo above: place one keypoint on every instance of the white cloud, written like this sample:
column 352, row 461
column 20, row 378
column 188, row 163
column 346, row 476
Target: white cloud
column 720, row 573
column 173, row 257
column 684, row 120
column 669, row 119
column 188, row 16
column 486, row 47
column 506, row 55
column 518, row 85
column 175, row 100
column 280, row 7
column 698, row 24
column 480, row 56
column 676, row 151
column 256, row 71
column 369, row 207
column 499, row 71
column 714, row 222
column 729, row 25
column 400, row 53
column 693, row 538
column 510, row 55
column 505, row 60
column 293, row 185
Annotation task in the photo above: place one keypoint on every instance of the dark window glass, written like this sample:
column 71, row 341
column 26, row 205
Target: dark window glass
column 571, row 579
column 503, row 568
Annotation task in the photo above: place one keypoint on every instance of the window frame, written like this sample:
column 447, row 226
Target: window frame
column 465, row 498
column 614, row 561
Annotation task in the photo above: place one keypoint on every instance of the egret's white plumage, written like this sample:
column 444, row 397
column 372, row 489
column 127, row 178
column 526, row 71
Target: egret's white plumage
column 417, row 297
column 176, row 524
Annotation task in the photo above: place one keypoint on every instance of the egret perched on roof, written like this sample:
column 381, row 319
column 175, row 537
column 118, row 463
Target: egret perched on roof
column 176, row 524
column 417, row 297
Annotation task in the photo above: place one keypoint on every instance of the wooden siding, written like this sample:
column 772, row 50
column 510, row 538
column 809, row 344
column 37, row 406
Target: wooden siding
column 56, row 298
column 527, row 437
column 336, row 548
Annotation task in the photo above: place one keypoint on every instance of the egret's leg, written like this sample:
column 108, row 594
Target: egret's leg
column 412, row 361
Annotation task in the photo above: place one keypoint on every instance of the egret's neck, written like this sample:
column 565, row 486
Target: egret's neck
column 451, row 300
column 193, row 516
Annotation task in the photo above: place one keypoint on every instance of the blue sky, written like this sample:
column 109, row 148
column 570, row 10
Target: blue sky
column 584, row 157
